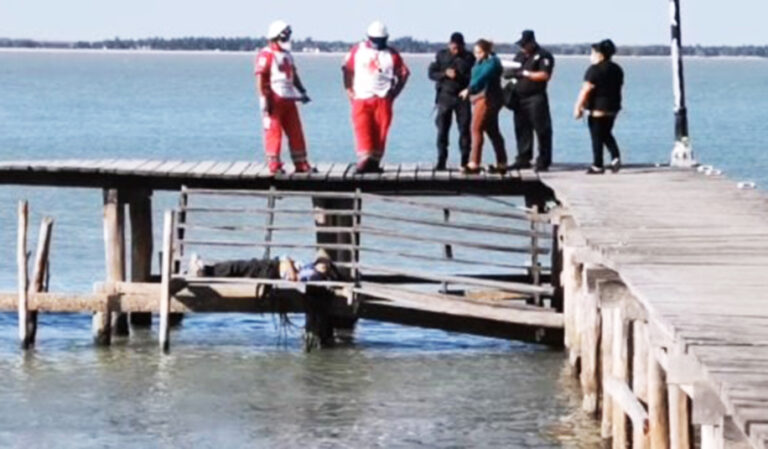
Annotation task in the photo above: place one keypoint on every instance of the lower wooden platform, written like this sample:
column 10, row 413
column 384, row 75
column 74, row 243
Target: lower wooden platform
column 509, row 319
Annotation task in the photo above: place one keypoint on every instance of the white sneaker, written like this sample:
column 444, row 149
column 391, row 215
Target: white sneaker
column 196, row 267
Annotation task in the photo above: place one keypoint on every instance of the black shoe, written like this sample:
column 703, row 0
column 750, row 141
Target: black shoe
column 440, row 167
column 616, row 165
column 520, row 165
column 469, row 170
column 498, row 169
column 595, row 170
column 368, row 165
column 541, row 168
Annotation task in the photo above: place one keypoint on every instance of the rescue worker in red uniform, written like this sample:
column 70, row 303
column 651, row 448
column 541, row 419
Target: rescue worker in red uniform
column 374, row 75
column 279, row 88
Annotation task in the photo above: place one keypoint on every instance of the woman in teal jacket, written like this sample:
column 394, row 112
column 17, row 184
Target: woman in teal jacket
column 487, row 100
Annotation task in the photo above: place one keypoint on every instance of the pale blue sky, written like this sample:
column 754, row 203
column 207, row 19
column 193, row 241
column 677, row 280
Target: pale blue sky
column 556, row 21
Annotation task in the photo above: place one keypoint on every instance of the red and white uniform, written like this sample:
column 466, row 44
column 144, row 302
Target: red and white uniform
column 277, row 71
column 375, row 74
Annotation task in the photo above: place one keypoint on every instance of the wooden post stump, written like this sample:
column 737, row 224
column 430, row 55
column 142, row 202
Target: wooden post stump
column 114, row 250
column 140, row 212
column 165, row 283
column 26, row 327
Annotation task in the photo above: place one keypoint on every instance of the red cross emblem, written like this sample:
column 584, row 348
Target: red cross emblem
column 286, row 67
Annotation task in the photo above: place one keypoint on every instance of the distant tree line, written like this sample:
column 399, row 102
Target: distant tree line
column 404, row 44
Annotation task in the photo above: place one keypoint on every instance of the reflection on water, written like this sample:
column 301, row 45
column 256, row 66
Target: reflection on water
column 231, row 382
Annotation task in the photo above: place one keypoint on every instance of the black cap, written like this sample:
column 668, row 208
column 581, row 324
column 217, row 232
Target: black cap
column 605, row 47
column 457, row 38
column 528, row 37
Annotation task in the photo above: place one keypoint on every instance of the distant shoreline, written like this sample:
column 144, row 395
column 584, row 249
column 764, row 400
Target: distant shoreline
column 117, row 51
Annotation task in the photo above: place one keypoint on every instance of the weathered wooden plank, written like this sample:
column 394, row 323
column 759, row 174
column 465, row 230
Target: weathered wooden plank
column 183, row 169
column 149, row 167
column 168, row 167
column 218, row 169
column 236, row 169
column 407, row 172
column 201, row 169
column 253, row 169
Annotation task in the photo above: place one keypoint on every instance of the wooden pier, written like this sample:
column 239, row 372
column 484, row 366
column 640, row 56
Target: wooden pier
column 653, row 279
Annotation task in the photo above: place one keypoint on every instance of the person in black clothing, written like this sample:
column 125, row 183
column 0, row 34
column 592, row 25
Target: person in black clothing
column 600, row 99
column 531, row 104
column 451, row 71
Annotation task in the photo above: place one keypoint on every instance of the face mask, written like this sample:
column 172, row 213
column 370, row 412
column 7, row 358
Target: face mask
column 284, row 40
column 379, row 43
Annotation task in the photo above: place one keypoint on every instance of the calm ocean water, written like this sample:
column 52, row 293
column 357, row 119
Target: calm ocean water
column 238, row 381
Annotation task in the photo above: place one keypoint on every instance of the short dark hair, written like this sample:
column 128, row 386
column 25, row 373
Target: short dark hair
column 457, row 38
column 606, row 47
column 485, row 45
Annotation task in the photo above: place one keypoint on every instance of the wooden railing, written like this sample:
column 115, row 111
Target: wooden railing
column 368, row 234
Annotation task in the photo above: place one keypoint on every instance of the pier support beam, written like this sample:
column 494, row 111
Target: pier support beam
column 164, row 328
column 320, row 328
column 140, row 211
column 27, row 318
column 114, row 250
column 588, row 321
column 680, row 429
column 640, row 370
column 658, row 411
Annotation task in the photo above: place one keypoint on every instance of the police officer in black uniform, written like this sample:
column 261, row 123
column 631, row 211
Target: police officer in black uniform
column 532, row 105
column 451, row 71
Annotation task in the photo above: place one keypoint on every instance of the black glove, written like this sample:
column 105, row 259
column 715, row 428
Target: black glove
column 304, row 99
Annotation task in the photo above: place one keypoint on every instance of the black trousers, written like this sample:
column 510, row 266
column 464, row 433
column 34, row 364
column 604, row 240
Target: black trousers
column 253, row 268
column 601, row 131
column 532, row 115
column 446, row 109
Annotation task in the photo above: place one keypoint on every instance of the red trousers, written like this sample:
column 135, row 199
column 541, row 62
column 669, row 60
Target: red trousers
column 284, row 117
column 371, row 119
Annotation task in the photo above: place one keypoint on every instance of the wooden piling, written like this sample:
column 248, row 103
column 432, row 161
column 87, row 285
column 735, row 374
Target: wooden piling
column 26, row 338
column 679, row 418
column 640, row 356
column 114, row 250
column 606, row 370
column 571, row 281
column 619, row 365
column 40, row 273
column 140, row 212
column 589, row 340
column 165, row 283
column 657, row 404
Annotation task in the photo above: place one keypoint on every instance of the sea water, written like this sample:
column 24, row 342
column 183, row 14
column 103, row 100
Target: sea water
column 243, row 381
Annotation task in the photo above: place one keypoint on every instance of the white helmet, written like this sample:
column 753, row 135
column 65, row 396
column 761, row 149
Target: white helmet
column 377, row 29
column 276, row 28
